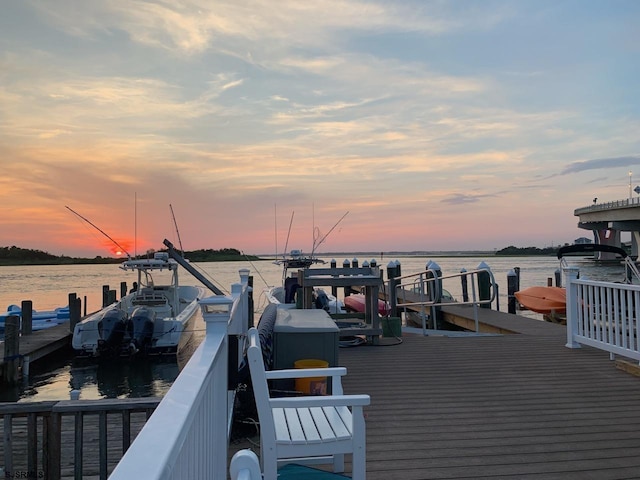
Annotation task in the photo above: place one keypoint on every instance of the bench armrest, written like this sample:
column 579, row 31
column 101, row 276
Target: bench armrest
column 305, row 372
column 321, row 401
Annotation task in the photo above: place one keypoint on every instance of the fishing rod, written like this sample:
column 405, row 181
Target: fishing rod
column 176, row 225
column 316, row 245
column 99, row 229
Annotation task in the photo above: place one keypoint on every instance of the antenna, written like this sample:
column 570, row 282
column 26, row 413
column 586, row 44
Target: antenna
column 97, row 228
column 177, row 231
column 275, row 224
column 135, row 224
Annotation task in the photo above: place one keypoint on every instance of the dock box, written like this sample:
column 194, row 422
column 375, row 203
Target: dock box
column 300, row 334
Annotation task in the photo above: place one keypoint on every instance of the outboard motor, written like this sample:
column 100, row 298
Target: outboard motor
column 321, row 299
column 111, row 329
column 140, row 328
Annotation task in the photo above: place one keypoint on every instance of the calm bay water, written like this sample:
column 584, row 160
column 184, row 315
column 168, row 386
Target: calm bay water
column 48, row 287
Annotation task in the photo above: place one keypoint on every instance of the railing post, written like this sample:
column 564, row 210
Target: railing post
column 571, row 275
column 216, row 312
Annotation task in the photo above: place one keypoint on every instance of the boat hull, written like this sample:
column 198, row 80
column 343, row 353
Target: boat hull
column 545, row 300
column 168, row 331
column 357, row 302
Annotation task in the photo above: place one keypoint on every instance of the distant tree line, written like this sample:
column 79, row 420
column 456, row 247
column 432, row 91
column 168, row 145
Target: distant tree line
column 23, row 256
column 511, row 250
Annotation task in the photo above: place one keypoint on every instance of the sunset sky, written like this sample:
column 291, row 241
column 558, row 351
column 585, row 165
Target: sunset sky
column 438, row 125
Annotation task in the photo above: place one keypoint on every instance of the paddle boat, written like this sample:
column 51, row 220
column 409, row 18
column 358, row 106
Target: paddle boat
column 40, row 320
column 552, row 301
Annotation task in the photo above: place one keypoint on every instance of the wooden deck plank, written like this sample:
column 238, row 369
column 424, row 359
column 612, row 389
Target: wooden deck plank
column 509, row 406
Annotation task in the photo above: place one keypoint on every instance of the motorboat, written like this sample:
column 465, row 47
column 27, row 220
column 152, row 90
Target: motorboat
column 154, row 318
column 286, row 294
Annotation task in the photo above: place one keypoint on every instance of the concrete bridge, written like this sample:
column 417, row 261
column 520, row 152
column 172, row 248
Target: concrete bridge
column 608, row 220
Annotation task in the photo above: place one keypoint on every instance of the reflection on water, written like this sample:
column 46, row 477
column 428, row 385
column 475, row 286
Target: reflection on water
column 55, row 377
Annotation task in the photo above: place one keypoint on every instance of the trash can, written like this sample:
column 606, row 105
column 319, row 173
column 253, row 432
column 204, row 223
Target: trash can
column 311, row 385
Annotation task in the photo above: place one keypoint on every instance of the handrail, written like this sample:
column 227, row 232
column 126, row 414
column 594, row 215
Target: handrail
column 187, row 436
column 50, row 415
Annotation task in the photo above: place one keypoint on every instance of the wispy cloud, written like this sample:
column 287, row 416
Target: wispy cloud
column 600, row 163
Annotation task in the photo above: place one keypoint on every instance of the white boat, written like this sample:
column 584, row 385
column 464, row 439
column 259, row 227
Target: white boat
column 151, row 319
column 40, row 320
column 285, row 295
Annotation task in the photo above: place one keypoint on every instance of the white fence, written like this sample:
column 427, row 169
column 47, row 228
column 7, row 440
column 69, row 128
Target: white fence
column 603, row 315
column 187, row 435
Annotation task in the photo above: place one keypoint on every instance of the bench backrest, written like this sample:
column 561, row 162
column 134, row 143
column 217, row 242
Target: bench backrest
column 259, row 383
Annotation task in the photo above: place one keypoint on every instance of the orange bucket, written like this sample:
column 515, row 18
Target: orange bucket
column 311, row 385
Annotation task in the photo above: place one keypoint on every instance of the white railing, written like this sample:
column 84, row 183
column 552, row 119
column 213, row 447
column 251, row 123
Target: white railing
column 603, row 315
column 597, row 207
column 187, row 435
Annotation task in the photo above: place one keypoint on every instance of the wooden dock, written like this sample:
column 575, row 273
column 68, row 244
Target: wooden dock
column 519, row 405
column 38, row 345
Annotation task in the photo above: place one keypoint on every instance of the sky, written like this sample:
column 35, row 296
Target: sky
column 356, row 125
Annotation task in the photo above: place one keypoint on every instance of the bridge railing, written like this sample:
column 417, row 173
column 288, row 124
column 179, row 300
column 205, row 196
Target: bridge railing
column 187, row 435
column 596, row 207
column 604, row 315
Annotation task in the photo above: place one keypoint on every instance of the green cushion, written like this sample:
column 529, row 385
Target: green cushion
column 292, row 471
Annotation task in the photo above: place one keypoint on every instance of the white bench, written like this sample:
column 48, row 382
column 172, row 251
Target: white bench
column 309, row 429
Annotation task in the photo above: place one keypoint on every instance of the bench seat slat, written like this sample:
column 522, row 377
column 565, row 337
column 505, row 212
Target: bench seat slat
column 309, row 426
column 322, row 424
column 296, row 432
column 280, row 424
column 341, row 430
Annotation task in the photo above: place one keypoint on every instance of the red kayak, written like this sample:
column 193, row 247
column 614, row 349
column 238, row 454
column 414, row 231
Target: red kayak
column 543, row 299
column 356, row 303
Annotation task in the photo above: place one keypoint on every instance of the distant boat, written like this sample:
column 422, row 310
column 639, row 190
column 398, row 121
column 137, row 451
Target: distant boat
column 545, row 300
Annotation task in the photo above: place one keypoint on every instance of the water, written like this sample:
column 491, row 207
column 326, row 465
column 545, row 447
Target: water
column 48, row 287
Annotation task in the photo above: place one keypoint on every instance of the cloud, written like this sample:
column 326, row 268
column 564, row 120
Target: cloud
column 463, row 199
column 600, row 163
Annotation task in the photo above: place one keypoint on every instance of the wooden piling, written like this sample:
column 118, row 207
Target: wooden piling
column 105, row 295
column 11, row 349
column 391, row 276
column 347, row 290
column 123, row 289
column 464, row 280
column 484, row 285
column 75, row 309
column 27, row 317
column 512, row 288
